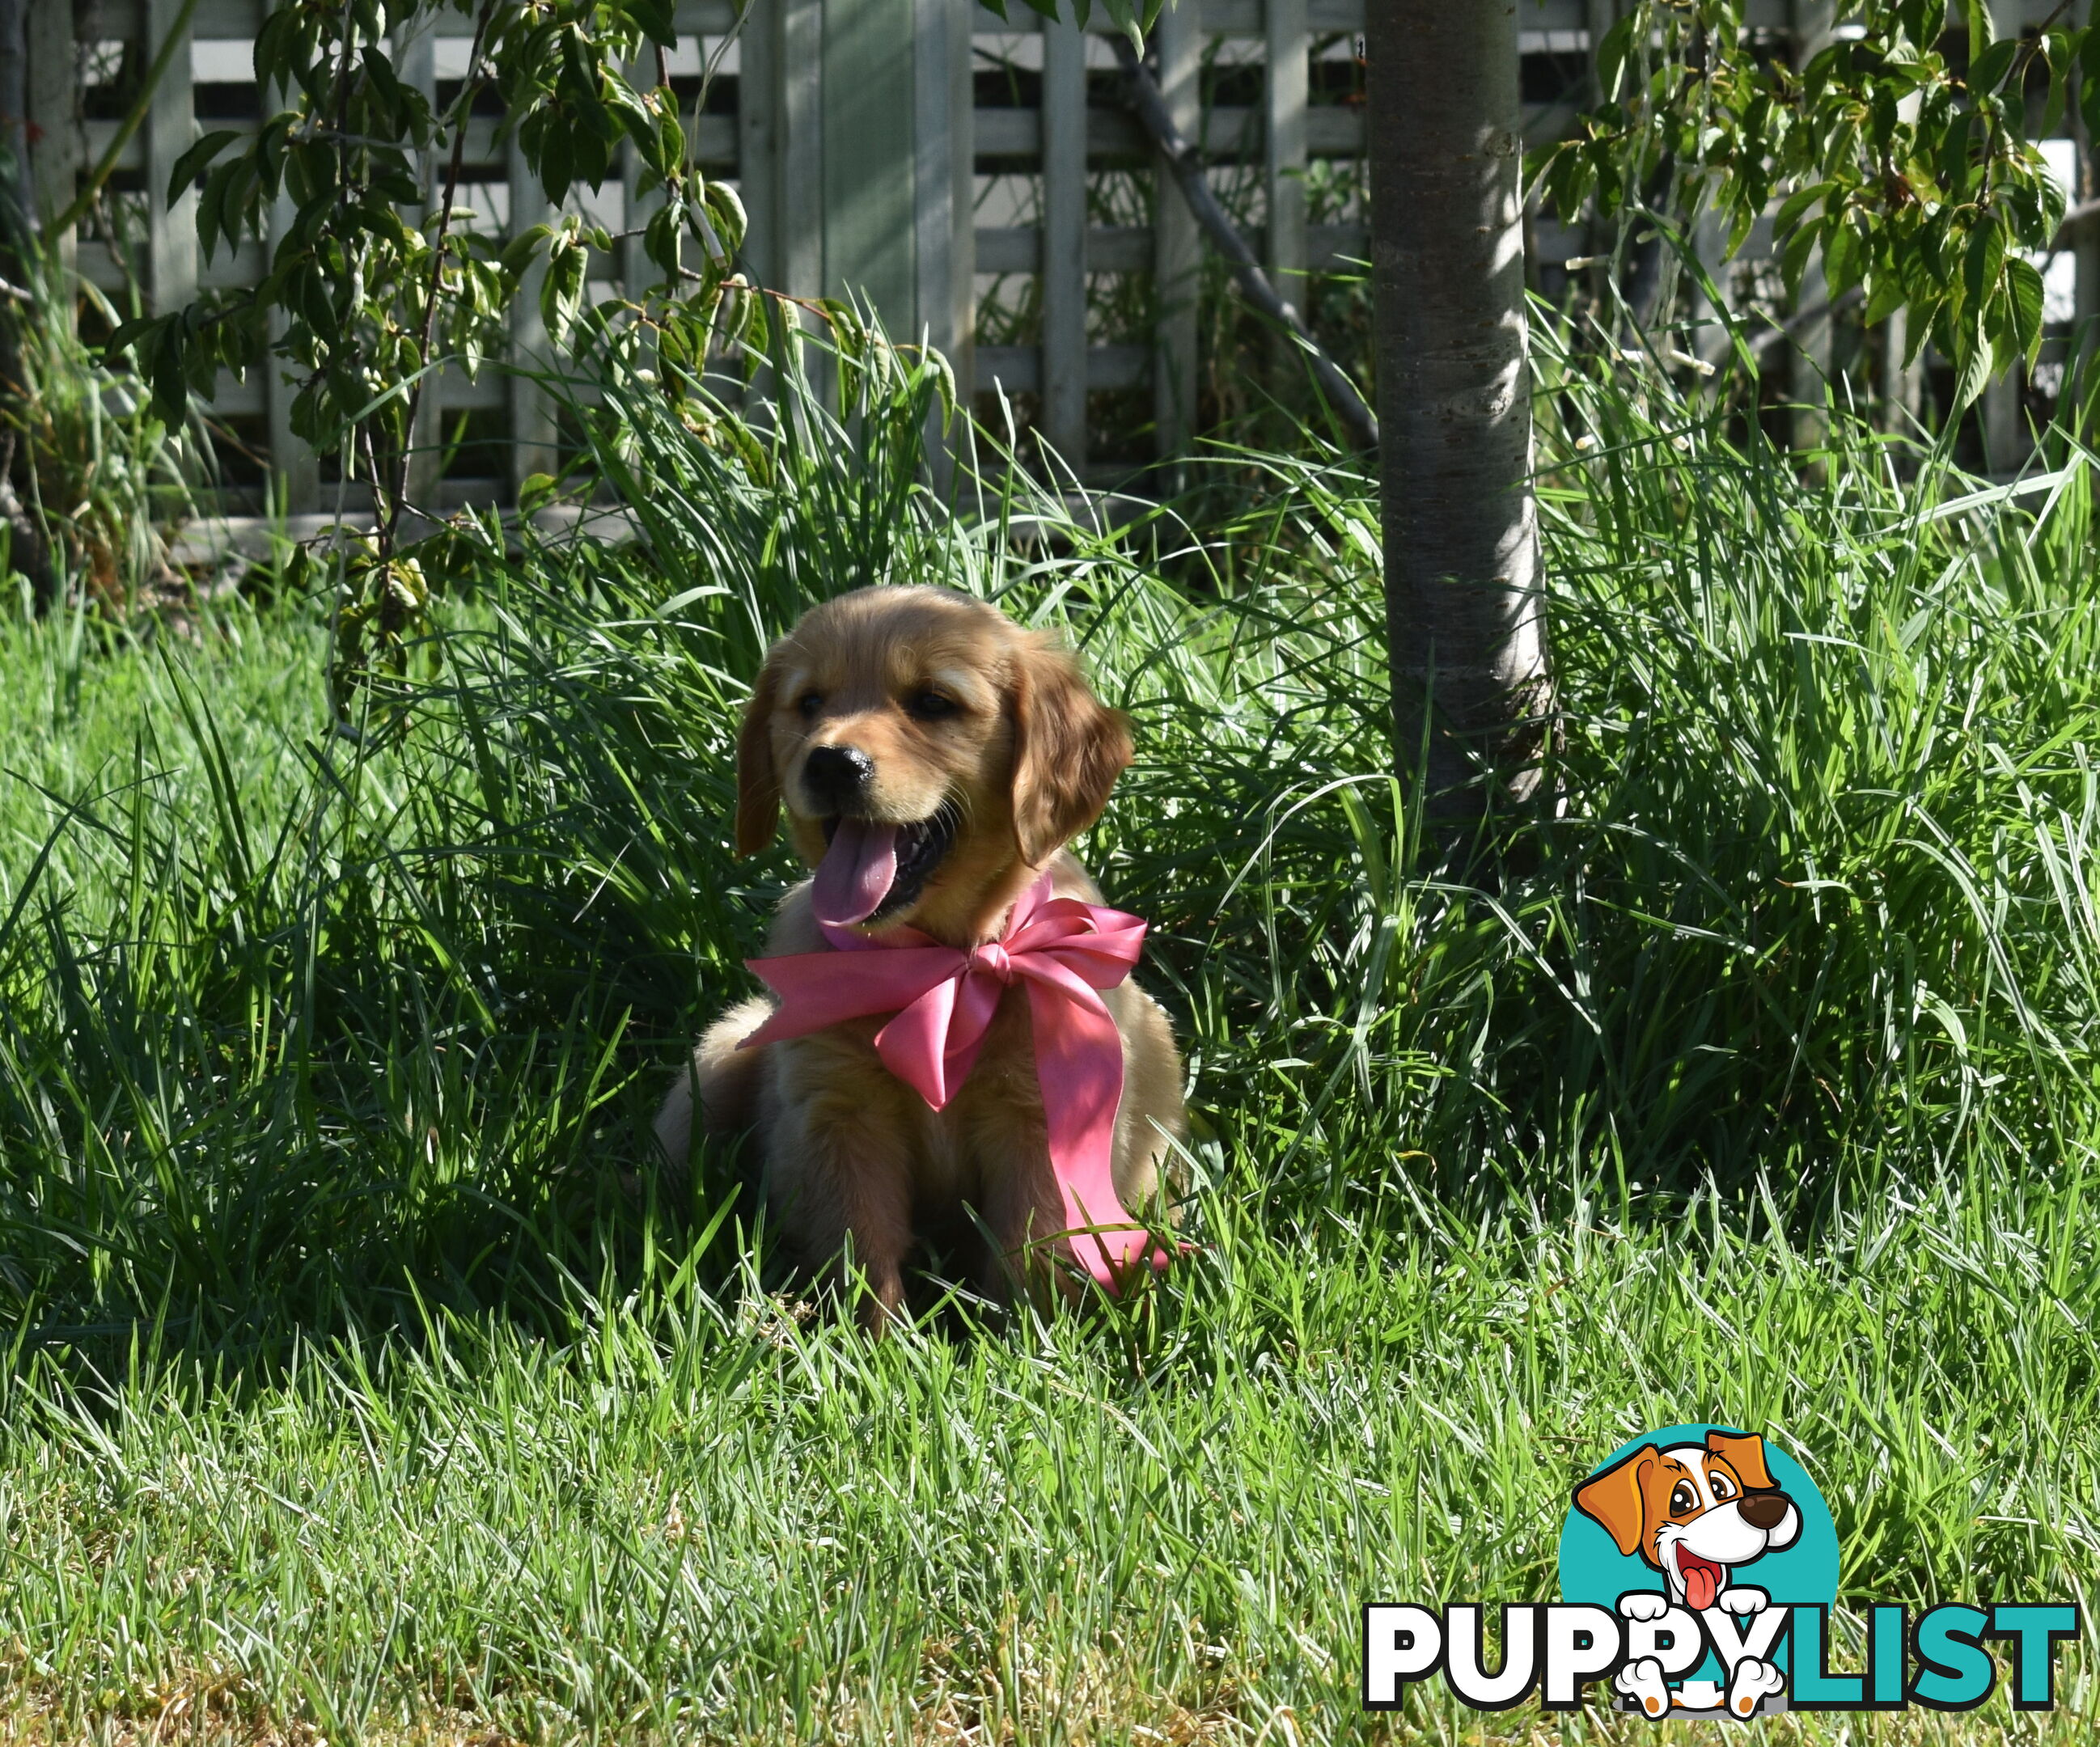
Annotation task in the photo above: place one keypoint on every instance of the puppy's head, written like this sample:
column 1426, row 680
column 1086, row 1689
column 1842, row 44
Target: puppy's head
column 1693, row 1510
column 931, row 756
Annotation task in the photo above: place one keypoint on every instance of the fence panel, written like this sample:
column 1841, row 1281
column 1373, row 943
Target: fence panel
column 822, row 222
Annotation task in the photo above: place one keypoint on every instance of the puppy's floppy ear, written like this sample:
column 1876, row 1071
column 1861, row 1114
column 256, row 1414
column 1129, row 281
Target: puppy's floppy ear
column 1746, row 1455
column 1613, row 1499
column 757, row 782
column 1068, row 749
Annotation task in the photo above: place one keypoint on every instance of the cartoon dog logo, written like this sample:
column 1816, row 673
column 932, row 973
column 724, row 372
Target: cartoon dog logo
column 1698, row 1513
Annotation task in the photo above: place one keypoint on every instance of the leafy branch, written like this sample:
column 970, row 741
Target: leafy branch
column 1914, row 178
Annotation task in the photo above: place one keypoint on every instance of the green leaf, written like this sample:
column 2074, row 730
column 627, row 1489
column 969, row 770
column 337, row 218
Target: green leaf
column 726, row 212
column 1983, row 259
column 656, row 20
column 535, row 491
column 1798, row 203
column 1885, row 297
column 660, row 239
column 192, row 163
column 1987, row 71
column 1793, row 258
column 1972, row 361
column 1611, row 52
column 2023, row 287
column 129, row 334
column 166, row 373
column 518, row 252
column 1844, row 258
column 561, row 291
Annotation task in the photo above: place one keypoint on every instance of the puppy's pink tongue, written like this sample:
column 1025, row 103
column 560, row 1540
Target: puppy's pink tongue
column 1700, row 1587
column 856, row 873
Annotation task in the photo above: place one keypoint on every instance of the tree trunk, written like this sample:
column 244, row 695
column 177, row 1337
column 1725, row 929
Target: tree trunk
column 14, row 95
column 1464, row 613
column 28, row 550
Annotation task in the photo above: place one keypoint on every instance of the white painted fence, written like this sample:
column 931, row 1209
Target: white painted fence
column 869, row 160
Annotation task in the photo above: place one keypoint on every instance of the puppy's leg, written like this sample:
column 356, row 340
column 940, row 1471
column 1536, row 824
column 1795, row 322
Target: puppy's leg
column 1152, row 1108
column 1022, row 1212
column 726, row 1078
column 838, row 1171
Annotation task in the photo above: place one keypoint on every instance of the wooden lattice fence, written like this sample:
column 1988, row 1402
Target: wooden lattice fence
column 924, row 153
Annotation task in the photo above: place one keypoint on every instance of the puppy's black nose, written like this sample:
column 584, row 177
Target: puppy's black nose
column 1765, row 1510
column 837, row 776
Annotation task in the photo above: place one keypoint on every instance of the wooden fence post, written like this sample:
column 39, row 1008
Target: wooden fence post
column 934, row 222
column 1062, row 383
column 417, row 65
column 1813, row 21
column 2005, row 442
column 963, row 166
column 1288, row 46
column 869, row 185
column 171, row 241
column 55, row 132
column 799, row 150
column 532, row 447
column 758, row 118
column 299, row 472
column 1177, row 249
column 932, row 175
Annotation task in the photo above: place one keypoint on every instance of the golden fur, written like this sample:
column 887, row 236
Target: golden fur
column 850, row 1157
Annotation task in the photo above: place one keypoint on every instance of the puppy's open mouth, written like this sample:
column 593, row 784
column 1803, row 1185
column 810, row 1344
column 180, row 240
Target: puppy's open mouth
column 1701, row 1577
column 872, row 869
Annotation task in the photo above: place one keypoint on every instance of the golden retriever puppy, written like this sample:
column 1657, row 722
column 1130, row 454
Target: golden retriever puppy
column 933, row 759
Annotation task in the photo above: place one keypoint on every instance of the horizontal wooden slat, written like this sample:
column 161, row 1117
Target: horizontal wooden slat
column 1331, row 131
column 99, row 133
column 232, row 266
column 236, row 397
column 239, row 18
column 1129, row 249
column 1231, row 18
column 490, row 388
column 715, row 143
column 1018, row 249
column 99, row 270
column 218, row 19
column 1243, row 18
column 1018, row 370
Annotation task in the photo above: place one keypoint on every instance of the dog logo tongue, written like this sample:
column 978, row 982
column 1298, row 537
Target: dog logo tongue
column 856, row 873
column 1702, row 1582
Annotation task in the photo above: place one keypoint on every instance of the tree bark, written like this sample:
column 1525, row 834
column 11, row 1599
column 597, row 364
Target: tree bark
column 1464, row 613
column 14, row 98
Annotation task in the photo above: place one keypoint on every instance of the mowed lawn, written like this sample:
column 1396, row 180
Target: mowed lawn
column 364, row 1381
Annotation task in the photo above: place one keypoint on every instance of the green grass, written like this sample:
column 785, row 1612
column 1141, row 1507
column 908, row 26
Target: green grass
column 363, row 1386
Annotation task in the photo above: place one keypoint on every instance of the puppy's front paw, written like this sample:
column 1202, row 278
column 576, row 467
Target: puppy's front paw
column 1743, row 1599
column 1750, row 1683
column 1643, row 1681
column 1644, row 1604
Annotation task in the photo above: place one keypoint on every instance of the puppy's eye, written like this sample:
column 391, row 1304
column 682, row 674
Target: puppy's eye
column 1681, row 1498
column 1723, row 1487
column 931, row 706
column 808, row 703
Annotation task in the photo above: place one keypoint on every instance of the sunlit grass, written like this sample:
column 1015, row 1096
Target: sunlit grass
column 361, row 1384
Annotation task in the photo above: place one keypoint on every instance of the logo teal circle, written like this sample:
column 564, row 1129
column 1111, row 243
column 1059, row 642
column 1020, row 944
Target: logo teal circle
column 1594, row 1570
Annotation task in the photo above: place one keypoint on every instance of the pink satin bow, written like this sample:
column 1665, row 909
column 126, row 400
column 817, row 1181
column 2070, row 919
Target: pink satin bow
column 944, row 999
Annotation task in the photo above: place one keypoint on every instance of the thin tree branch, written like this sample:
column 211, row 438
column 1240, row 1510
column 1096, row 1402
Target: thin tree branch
column 463, row 112
column 1187, row 163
